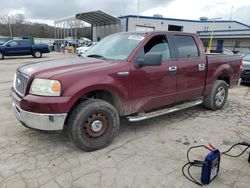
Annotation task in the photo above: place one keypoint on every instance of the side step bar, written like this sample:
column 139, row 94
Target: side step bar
column 143, row 116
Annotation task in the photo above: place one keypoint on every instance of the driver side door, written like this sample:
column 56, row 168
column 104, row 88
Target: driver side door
column 154, row 86
column 12, row 48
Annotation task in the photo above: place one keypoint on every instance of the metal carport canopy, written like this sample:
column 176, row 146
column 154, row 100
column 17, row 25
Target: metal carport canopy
column 98, row 18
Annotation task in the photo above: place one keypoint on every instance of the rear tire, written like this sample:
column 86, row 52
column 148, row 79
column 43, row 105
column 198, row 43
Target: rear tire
column 37, row 54
column 217, row 97
column 1, row 55
column 93, row 124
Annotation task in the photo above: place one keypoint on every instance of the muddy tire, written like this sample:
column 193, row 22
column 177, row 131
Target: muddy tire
column 217, row 97
column 93, row 124
column 37, row 54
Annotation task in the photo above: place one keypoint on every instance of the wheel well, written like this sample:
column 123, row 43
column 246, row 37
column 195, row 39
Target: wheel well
column 36, row 50
column 108, row 96
column 225, row 78
column 105, row 95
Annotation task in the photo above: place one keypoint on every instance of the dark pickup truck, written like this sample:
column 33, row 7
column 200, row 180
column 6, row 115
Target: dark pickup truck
column 139, row 75
column 22, row 47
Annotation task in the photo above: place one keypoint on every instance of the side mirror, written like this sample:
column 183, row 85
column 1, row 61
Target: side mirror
column 149, row 59
column 8, row 45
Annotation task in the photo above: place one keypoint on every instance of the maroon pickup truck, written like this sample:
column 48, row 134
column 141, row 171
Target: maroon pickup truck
column 139, row 75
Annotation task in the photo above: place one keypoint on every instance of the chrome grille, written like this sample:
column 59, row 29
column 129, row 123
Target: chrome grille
column 20, row 83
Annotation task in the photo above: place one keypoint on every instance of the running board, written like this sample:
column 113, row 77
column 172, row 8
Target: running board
column 143, row 116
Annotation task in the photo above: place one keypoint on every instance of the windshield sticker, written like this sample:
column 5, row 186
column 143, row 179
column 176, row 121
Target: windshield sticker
column 135, row 37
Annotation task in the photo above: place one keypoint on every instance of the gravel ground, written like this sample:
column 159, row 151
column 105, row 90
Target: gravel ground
column 150, row 153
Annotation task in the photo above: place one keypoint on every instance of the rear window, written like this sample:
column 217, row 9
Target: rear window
column 23, row 43
column 186, row 47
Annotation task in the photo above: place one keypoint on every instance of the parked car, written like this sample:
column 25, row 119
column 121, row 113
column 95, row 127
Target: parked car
column 245, row 75
column 134, row 74
column 22, row 47
column 60, row 42
column 83, row 49
column 4, row 40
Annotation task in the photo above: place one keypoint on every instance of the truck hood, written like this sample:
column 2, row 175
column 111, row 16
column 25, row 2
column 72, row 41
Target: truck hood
column 48, row 69
column 246, row 65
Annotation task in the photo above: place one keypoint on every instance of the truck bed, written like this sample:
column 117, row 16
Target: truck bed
column 218, row 62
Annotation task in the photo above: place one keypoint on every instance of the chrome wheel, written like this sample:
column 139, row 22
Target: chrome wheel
column 37, row 54
column 220, row 96
column 1, row 56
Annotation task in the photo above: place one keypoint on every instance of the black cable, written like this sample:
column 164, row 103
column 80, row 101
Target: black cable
column 188, row 170
column 195, row 163
column 191, row 177
column 193, row 147
column 238, row 144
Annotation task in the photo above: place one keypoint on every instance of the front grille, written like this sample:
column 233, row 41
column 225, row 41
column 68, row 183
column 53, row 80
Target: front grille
column 246, row 72
column 20, row 83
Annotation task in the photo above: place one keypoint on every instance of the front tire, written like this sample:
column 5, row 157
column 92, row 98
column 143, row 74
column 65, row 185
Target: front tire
column 1, row 55
column 217, row 97
column 93, row 124
column 37, row 54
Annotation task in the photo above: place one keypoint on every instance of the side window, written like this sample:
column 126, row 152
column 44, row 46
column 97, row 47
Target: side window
column 13, row 43
column 158, row 44
column 186, row 47
column 23, row 43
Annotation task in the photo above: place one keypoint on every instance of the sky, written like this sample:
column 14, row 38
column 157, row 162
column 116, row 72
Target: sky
column 46, row 11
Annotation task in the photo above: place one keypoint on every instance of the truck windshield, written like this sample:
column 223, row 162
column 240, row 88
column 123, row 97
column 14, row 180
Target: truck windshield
column 117, row 46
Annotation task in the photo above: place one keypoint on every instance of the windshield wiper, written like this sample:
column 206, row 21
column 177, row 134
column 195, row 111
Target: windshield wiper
column 97, row 56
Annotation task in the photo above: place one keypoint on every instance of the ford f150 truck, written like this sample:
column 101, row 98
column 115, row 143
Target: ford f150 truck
column 22, row 47
column 135, row 74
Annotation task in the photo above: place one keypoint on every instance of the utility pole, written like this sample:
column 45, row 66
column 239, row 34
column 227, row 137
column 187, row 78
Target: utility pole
column 138, row 12
column 231, row 14
column 10, row 27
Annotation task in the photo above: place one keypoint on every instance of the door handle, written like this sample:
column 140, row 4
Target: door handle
column 172, row 69
column 202, row 67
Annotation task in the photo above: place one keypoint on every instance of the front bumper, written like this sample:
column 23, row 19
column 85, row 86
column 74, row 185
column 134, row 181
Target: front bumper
column 40, row 121
column 245, row 76
column 239, row 82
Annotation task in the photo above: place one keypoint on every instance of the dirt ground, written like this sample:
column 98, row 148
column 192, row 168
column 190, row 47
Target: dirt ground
column 150, row 153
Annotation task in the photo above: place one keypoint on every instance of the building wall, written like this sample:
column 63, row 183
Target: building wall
column 99, row 32
column 188, row 26
column 234, row 44
column 231, row 32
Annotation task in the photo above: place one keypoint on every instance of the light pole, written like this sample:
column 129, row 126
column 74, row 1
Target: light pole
column 138, row 12
column 9, row 27
column 212, row 33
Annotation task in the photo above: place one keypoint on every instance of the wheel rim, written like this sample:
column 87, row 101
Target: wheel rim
column 96, row 125
column 1, row 55
column 220, row 96
column 37, row 54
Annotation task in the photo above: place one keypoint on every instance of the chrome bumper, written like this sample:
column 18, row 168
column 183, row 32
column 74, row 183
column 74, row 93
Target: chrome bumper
column 48, row 122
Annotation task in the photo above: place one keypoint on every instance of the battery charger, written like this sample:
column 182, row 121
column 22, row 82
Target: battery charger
column 211, row 165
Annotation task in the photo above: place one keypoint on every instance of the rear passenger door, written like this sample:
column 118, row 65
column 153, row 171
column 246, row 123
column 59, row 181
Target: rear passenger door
column 24, row 47
column 191, row 68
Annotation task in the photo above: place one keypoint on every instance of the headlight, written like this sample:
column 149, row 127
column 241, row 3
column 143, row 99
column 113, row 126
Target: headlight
column 45, row 87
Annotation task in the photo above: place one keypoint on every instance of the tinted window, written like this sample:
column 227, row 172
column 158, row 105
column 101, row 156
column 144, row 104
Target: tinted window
column 13, row 43
column 186, row 47
column 158, row 44
column 23, row 43
column 246, row 57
